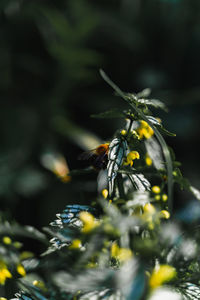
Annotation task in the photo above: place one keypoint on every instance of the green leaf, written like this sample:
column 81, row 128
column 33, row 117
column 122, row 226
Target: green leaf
column 165, row 131
column 162, row 142
column 109, row 114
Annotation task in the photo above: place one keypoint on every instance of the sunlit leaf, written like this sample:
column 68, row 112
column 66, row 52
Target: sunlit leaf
column 117, row 150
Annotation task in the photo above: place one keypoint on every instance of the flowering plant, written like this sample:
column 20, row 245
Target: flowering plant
column 128, row 244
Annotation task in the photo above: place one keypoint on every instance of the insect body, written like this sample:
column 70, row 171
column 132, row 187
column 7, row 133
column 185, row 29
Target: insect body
column 98, row 157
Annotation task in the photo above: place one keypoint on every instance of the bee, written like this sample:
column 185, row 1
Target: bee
column 98, row 157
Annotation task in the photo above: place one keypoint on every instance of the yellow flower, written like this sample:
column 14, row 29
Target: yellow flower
column 164, row 197
column 155, row 189
column 144, row 130
column 122, row 254
column 76, row 244
column 105, row 193
column 4, row 273
column 131, row 157
column 89, row 222
column 21, row 270
column 123, row 132
column 157, row 197
column 7, row 240
column 148, row 160
column 160, row 275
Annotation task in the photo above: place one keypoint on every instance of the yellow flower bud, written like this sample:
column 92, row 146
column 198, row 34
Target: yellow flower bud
column 164, row 197
column 156, row 189
column 7, row 240
column 148, row 161
column 157, row 197
column 123, row 132
column 105, row 193
column 21, row 270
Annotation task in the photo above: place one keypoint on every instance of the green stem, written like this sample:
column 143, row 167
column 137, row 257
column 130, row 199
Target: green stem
column 162, row 142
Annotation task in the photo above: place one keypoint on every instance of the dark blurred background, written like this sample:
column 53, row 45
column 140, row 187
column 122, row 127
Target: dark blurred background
column 50, row 55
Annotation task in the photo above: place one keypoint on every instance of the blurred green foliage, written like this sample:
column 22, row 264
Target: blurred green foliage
column 50, row 54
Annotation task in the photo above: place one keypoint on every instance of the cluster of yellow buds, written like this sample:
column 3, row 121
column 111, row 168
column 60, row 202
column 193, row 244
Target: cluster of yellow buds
column 152, row 217
column 157, row 191
column 131, row 157
column 144, row 130
column 4, row 271
column 121, row 254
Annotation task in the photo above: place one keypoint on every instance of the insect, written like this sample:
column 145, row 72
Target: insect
column 98, row 157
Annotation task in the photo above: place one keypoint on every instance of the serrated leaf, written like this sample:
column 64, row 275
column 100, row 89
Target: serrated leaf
column 113, row 113
column 117, row 150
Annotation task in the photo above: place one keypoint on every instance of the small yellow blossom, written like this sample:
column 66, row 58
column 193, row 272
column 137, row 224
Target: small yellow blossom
column 40, row 284
column 123, row 132
column 144, row 130
column 131, row 157
column 157, row 197
column 164, row 214
column 155, row 189
column 21, row 270
column 105, row 193
column 89, row 222
column 7, row 240
column 76, row 244
column 4, row 273
column 160, row 275
column 2, row 298
column 148, row 160
column 122, row 254
column 164, row 197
